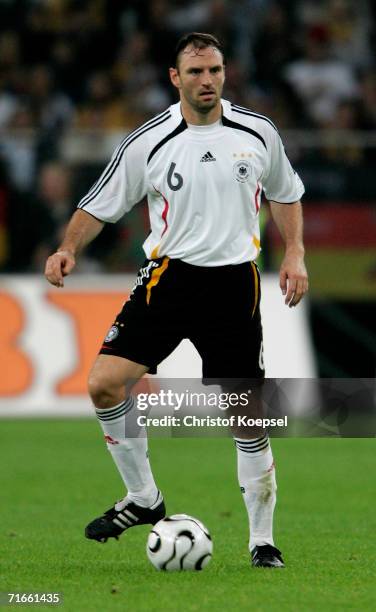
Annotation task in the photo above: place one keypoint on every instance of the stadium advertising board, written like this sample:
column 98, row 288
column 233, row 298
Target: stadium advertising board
column 50, row 337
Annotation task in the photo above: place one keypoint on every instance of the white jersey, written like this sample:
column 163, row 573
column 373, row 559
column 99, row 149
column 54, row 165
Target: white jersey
column 203, row 184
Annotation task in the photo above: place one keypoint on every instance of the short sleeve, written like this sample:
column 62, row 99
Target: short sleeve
column 121, row 185
column 280, row 183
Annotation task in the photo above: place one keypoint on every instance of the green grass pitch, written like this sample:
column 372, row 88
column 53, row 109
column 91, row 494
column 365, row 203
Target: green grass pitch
column 57, row 476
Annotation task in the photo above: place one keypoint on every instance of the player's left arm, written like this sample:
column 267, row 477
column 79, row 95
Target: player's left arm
column 293, row 277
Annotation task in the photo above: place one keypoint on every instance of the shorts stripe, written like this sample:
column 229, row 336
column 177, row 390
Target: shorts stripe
column 156, row 277
column 256, row 286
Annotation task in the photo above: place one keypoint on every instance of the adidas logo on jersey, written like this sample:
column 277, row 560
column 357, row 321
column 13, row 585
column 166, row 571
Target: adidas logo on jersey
column 207, row 157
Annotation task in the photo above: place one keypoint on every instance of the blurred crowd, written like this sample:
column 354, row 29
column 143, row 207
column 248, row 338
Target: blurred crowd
column 102, row 64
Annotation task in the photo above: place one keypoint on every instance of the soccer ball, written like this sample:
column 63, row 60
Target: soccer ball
column 179, row 542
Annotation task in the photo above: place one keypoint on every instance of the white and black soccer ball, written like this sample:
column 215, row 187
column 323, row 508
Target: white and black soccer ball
column 179, row 542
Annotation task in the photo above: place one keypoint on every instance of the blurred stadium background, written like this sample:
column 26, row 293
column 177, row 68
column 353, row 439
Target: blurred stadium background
column 76, row 76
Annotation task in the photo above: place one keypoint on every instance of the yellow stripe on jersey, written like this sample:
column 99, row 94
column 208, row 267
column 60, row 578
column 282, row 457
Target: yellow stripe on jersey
column 155, row 277
column 154, row 253
column 256, row 284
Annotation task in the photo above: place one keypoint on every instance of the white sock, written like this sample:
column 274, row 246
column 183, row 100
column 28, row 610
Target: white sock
column 128, row 445
column 256, row 474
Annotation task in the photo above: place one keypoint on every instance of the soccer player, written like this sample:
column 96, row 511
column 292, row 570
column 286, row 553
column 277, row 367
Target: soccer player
column 203, row 164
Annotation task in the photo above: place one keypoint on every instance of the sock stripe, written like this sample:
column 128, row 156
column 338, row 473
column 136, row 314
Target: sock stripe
column 252, row 446
column 110, row 411
column 250, row 443
column 254, row 450
column 115, row 413
column 250, row 449
column 125, row 404
column 113, row 417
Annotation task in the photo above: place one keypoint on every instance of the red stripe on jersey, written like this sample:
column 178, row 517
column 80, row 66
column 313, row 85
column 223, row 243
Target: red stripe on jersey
column 165, row 211
column 164, row 214
column 257, row 204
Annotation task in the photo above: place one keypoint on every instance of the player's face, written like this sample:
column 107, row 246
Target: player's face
column 199, row 77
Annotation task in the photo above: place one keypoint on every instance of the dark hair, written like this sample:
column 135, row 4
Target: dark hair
column 198, row 40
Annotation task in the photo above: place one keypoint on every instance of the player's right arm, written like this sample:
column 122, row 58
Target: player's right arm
column 122, row 184
column 81, row 230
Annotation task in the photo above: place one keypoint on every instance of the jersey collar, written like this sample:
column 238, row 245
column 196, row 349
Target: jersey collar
column 177, row 114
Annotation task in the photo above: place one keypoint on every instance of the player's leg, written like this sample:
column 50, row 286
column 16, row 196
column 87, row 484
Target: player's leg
column 230, row 344
column 110, row 382
column 144, row 332
column 256, row 472
column 257, row 481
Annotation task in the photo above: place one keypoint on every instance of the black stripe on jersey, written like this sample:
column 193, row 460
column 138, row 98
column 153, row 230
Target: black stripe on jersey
column 246, row 111
column 109, row 171
column 120, row 146
column 118, row 151
column 181, row 127
column 238, row 126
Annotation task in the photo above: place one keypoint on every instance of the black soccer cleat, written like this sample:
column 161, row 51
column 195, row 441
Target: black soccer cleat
column 266, row 556
column 114, row 522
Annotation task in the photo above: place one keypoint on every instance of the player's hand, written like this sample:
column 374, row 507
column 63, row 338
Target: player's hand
column 58, row 265
column 293, row 278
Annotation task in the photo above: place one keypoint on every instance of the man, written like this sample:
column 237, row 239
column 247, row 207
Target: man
column 203, row 164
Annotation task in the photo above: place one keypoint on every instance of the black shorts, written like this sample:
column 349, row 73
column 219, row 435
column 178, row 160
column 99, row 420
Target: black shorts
column 216, row 308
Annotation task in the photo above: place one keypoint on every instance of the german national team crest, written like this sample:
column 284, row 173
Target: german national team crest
column 242, row 170
column 112, row 333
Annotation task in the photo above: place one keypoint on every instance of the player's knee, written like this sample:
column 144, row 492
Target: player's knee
column 102, row 392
